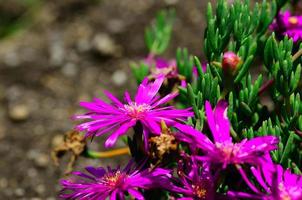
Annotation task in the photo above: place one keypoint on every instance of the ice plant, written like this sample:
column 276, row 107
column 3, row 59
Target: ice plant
column 288, row 24
column 117, row 117
column 195, row 181
column 223, row 150
column 160, row 66
column 101, row 184
column 277, row 184
column 167, row 68
column 206, row 152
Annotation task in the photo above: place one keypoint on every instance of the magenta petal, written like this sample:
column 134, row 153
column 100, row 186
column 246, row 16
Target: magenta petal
column 113, row 98
column 165, row 99
column 97, row 172
column 113, row 195
column 136, row 194
column 201, row 140
column 218, row 121
column 111, row 140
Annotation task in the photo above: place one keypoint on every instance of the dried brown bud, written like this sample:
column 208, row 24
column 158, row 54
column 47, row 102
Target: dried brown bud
column 163, row 144
column 73, row 142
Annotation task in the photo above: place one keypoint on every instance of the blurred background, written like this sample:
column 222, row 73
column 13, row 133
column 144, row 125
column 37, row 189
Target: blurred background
column 56, row 53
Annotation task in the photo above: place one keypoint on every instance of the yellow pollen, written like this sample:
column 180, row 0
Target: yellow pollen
column 135, row 110
column 200, row 192
column 228, row 150
column 113, row 179
column 283, row 193
column 293, row 20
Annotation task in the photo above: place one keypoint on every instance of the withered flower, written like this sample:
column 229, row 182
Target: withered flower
column 74, row 143
column 163, row 144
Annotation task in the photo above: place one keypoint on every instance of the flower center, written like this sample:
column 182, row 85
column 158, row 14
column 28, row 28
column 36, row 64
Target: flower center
column 137, row 111
column 114, row 179
column 293, row 20
column 199, row 191
column 228, row 150
column 165, row 70
column 289, row 193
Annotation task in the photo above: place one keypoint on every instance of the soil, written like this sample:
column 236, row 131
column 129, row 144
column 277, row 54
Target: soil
column 71, row 51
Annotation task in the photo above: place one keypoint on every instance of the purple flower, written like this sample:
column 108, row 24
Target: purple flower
column 118, row 117
column 160, row 66
column 113, row 183
column 288, row 24
column 195, row 181
column 277, row 184
column 222, row 150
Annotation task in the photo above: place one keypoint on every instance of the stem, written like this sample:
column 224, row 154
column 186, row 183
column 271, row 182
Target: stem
column 297, row 55
column 107, row 154
column 266, row 85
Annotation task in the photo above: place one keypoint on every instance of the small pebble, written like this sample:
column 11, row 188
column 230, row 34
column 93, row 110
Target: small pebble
column 3, row 183
column 119, row 77
column 19, row 192
column 105, row 45
column 32, row 172
column 116, row 25
column 18, row 112
column 70, row 70
column 42, row 160
column 12, row 59
column 40, row 189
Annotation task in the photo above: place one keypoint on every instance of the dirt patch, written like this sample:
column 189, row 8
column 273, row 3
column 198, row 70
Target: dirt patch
column 61, row 59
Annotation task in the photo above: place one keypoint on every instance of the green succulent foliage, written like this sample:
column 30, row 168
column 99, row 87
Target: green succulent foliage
column 287, row 143
column 237, row 28
column 279, row 61
column 218, row 32
column 243, row 106
column 157, row 38
column 281, row 3
column 246, row 52
column 185, row 63
column 206, row 88
column 158, row 34
column 291, row 113
column 140, row 71
column 236, row 22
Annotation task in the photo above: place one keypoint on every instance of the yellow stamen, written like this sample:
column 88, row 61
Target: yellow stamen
column 293, row 20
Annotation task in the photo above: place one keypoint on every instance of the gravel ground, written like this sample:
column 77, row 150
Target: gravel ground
column 72, row 50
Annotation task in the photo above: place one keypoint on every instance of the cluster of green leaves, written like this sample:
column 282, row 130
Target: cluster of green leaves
column 157, row 36
column 279, row 61
column 233, row 27
column 185, row 63
column 235, row 23
column 236, row 28
column 284, row 68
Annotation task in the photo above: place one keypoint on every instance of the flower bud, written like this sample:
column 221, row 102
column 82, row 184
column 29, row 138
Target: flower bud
column 230, row 62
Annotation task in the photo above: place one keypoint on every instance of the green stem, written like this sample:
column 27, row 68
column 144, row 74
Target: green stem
column 297, row 55
column 107, row 154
